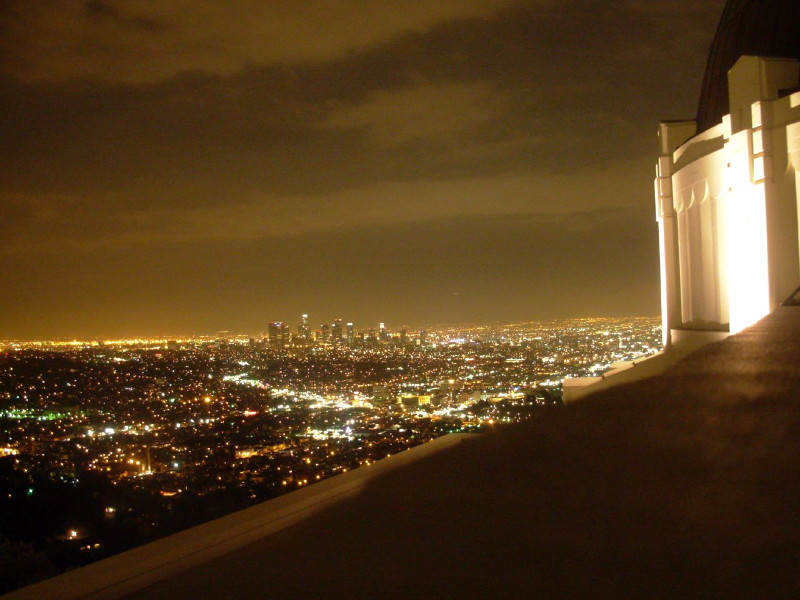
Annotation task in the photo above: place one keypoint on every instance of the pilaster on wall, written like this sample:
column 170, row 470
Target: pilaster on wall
column 770, row 169
column 763, row 249
column 671, row 135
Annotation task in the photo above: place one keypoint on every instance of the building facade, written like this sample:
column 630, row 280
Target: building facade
column 727, row 206
column 726, row 191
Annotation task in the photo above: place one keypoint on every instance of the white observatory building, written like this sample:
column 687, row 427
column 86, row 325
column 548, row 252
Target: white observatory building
column 727, row 189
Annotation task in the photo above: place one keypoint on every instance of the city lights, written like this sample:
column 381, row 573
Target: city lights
column 200, row 427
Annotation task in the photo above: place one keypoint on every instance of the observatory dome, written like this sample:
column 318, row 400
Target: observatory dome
column 766, row 28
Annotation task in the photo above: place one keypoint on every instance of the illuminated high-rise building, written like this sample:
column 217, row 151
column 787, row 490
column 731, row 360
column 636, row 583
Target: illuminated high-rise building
column 278, row 334
column 350, row 335
column 304, row 330
column 325, row 332
column 336, row 331
column 383, row 334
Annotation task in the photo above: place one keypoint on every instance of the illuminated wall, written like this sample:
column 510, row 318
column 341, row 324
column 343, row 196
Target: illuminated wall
column 727, row 205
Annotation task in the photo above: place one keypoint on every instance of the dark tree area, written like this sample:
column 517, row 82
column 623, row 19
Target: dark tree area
column 50, row 524
column 21, row 564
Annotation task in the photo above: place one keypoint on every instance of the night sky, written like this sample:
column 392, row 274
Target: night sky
column 183, row 166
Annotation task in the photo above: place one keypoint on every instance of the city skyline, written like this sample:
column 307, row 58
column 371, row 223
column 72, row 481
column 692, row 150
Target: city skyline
column 321, row 333
column 175, row 169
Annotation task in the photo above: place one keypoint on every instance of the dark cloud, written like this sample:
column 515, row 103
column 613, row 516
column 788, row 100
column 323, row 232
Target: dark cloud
column 54, row 41
column 563, row 79
column 106, row 10
column 96, row 8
